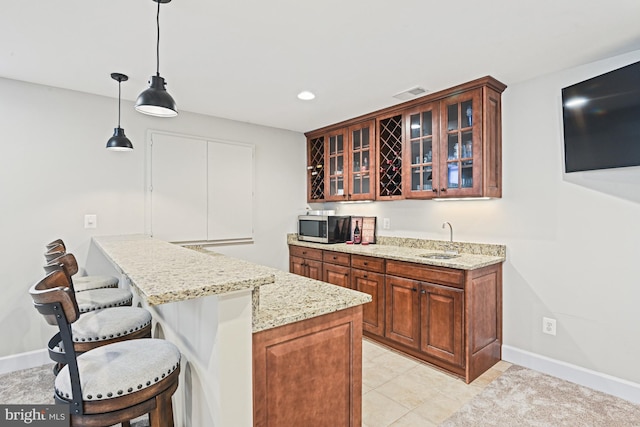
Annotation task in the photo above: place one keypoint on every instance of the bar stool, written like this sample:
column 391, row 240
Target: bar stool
column 111, row 384
column 57, row 249
column 90, row 299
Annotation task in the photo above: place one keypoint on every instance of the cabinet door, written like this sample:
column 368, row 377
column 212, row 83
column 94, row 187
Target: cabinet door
column 373, row 312
column 336, row 275
column 389, row 153
column 421, row 152
column 402, row 304
column 337, row 186
column 460, row 146
column 297, row 266
column 314, row 269
column 362, row 161
column 315, row 169
column 441, row 323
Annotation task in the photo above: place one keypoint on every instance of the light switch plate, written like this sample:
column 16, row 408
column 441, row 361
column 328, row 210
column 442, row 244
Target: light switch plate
column 90, row 221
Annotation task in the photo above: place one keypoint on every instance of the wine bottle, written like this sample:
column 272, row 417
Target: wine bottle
column 357, row 238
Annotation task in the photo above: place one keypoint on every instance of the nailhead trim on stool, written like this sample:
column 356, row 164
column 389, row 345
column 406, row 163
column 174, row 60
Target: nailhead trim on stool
column 98, row 299
column 140, row 363
column 108, row 324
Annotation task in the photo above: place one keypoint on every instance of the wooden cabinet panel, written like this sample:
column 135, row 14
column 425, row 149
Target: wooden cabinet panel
column 372, row 313
column 367, row 263
column 307, row 253
column 338, row 275
column 402, row 316
column 297, row 265
column 336, row 258
column 314, row 269
column 427, row 273
column 441, row 323
column 309, row 373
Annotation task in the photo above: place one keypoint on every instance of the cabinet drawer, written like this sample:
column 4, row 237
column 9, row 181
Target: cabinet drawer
column 336, row 258
column 367, row 263
column 307, row 253
column 426, row 273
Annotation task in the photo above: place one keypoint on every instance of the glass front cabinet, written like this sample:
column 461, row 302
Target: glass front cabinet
column 444, row 145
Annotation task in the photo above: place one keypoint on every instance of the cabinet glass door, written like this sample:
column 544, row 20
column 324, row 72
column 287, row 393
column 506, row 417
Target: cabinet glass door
column 361, row 146
column 421, row 153
column 460, row 145
column 336, row 158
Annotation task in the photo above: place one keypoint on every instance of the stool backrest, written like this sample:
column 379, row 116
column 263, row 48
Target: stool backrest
column 55, row 288
column 54, row 253
column 53, row 244
column 68, row 260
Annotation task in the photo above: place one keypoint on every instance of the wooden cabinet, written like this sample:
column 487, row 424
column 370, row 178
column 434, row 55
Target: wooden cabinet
column 305, row 262
column 447, row 317
column 403, row 316
column 335, row 268
column 446, row 144
column 367, row 275
column 341, row 164
column 309, row 373
column 441, row 323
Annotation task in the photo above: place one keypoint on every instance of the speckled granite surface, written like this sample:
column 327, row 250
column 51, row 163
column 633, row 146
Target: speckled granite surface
column 472, row 255
column 292, row 298
column 162, row 272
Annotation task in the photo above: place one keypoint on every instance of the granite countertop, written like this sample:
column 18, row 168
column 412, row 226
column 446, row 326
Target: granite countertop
column 163, row 272
column 293, row 298
column 472, row 255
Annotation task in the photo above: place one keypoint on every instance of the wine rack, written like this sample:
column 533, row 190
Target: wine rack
column 316, row 168
column 390, row 156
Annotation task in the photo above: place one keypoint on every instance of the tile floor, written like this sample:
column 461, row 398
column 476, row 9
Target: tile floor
column 400, row 391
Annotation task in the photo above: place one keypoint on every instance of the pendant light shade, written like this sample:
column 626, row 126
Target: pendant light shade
column 119, row 141
column 156, row 101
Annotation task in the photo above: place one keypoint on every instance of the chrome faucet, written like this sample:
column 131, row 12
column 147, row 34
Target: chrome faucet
column 450, row 230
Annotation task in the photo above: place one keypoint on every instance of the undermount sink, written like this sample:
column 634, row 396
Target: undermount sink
column 439, row 255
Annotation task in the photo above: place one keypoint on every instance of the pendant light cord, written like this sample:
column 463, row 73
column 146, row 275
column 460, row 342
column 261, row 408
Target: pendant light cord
column 158, row 41
column 119, row 93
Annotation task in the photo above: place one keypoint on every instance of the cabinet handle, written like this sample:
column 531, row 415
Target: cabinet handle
column 435, row 190
column 423, row 291
column 365, row 276
column 304, row 252
column 414, row 290
column 366, row 263
column 443, row 189
column 335, row 257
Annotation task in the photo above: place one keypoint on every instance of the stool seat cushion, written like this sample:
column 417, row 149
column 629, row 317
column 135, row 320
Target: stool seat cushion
column 98, row 299
column 86, row 283
column 119, row 369
column 101, row 325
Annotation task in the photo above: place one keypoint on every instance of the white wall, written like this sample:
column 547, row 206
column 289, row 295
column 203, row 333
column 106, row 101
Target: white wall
column 54, row 169
column 573, row 240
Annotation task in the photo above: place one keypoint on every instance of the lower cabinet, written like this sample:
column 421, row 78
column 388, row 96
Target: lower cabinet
column 441, row 323
column 447, row 317
column 309, row 373
column 403, row 311
column 305, row 262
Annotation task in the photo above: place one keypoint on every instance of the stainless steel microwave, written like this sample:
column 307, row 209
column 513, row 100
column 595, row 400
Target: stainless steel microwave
column 324, row 228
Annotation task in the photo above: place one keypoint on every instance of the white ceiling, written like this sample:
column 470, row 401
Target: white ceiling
column 247, row 59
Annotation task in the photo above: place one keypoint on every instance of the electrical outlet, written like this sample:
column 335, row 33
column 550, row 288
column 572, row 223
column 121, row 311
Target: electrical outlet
column 90, row 221
column 549, row 326
column 386, row 223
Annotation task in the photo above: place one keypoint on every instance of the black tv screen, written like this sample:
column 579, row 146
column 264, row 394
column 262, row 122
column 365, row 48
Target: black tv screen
column 601, row 119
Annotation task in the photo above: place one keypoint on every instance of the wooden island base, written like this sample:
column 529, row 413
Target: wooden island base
column 309, row 373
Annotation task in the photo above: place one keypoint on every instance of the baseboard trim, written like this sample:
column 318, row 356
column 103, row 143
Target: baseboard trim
column 595, row 380
column 30, row 359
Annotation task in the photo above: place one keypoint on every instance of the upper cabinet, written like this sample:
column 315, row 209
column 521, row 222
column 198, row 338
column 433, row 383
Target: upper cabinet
column 445, row 145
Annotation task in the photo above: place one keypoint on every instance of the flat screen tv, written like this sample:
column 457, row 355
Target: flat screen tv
column 601, row 121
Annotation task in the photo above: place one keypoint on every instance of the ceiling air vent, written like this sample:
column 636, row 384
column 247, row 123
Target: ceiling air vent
column 410, row 93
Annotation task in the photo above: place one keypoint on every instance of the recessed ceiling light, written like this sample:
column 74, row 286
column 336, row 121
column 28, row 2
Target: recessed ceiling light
column 305, row 95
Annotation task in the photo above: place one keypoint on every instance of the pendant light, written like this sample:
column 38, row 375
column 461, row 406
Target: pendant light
column 119, row 142
column 156, row 101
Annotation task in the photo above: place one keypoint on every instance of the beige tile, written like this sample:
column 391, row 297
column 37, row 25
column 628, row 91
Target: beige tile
column 438, row 409
column 385, row 367
column 371, row 350
column 380, row 411
column 409, row 390
column 460, row 391
column 502, row 365
column 486, row 378
column 413, row 420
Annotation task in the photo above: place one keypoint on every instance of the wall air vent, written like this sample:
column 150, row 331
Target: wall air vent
column 410, row 93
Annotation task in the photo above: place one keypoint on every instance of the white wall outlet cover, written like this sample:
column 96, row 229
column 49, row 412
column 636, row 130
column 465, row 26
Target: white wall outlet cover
column 90, row 221
column 549, row 326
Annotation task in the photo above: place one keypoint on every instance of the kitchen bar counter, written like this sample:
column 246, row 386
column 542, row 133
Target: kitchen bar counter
column 472, row 255
column 225, row 315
